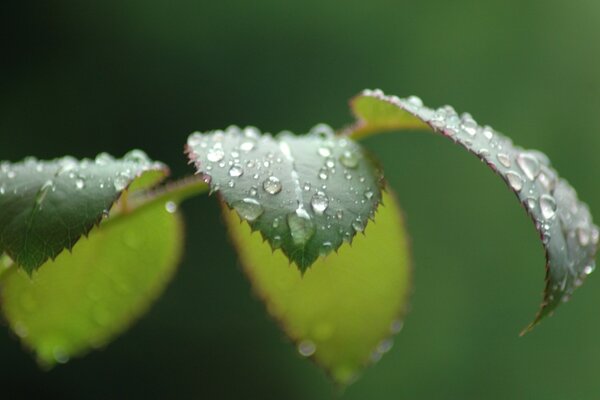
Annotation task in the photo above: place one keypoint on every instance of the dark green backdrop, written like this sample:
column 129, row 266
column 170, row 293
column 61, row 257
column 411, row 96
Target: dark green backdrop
column 80, row 77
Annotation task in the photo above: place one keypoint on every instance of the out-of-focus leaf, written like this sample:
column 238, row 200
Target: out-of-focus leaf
column 345, row 308
column 46, row 206
column 305, row 194
column 84, row 299
column 564, row 223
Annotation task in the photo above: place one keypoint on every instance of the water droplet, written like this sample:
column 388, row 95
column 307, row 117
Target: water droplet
column 236, row 170
column 272, row 185
column 504, row 159
column 276, row 243
column 215, row 154
column 326, row 248
column 349, row 159
column 41, row 194
column 276, row 223
column 307, row 348
column 324, row 151
column 60, row 356
column 415, row 101
column 488, row 133
column 583, row 236
column 323, row 174
column 358, row 225
column 589, row 269
column 253, row 191
column 301, row 227
column 171, row 207
column 396, row 326
column 547, row 178
column 247, row 146
column 531, row 203
column 515, row 181
column 529, row 165
column 339, row 214
column 306, row 186
column 120, row 182
column 547, row 206
column 469, row 126
column 319, row 203
column 249, row 209
column 137, row 156
column 385, row 346
column 369, row 194
column 79, row 183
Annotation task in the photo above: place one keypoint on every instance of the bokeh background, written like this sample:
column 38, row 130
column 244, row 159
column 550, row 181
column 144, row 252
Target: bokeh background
column 80, row 77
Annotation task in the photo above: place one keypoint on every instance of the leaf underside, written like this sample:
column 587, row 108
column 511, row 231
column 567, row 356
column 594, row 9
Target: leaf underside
column 46, row 206
column 83, row 299
column 345, row 308
column 307, row 195
column 564, row 223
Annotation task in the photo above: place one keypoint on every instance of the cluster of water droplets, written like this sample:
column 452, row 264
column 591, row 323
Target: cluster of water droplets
column 565, row 224
column 313, row 188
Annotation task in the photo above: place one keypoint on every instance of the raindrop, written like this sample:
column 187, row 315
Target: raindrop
column 529, row 165
column 171, row 207
column 369, row 194
column 324, row 151
column 215, row 154
column 349, row 159
column 121, row 181
column 583, row 236
column 41, row 195
column 358, row 225
column 253, row 191
column 307, row 348
column 79, row 183
column 504, row 159
column 415, row 101
column 326, row 248
column 469, row 126
column 319, row 203
column 247, row 146
column 272, row 185
column 306, row 186
column 236, row 170
column 137, row 156
column 488, row 133
column 547, row 206
column 589, row 269
column 323, row 174
column 515, row 181
column 301, row 226
column 249, row 209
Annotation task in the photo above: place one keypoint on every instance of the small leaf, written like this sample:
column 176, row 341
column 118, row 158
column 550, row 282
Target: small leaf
column 564, row 223
column 84, row 299
column 46, row 206
column 345, row 308
column 305, row 194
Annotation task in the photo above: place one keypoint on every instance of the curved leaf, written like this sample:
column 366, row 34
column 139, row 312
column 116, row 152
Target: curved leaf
column 344, row 309
column 564, row 223
column 46, row 206
column 83, row 300
column 305, row 194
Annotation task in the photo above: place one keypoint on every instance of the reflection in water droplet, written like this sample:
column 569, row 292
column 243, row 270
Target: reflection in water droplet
column 60, row 356
column 236, row 170
column 41, row 194
column 515, row 181
column 272, row 185
column 249, row 209
column 319, row 203
column 529, row 165
column 307, row 348
column 583, row 236
column 358, row 225
column 504, row 159
column 215, row 154
column 324, row 151
column 589, row 269
column 247, row 146
column 349, row 159
column 547, row 206
column 301, row 227
column 171, row 207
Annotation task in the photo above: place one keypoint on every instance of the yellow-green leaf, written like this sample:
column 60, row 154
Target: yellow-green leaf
column 84, row 299
column 345, row 308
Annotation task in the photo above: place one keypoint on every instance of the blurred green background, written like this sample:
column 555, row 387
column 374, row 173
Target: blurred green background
column 80, row 77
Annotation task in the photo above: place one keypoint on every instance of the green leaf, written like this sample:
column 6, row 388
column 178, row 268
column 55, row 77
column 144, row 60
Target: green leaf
column 564, row 223
column 46, row 206
column 305, row 194
column 84, row 299
column 345, row 308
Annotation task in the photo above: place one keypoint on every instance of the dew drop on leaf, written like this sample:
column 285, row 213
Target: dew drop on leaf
column 249, row 209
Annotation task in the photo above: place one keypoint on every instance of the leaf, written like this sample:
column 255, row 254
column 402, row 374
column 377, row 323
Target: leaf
column 564, row 223
column 305, row 194
column 84, row 299
column 46, row 206
column 345, row 308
